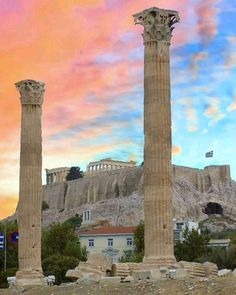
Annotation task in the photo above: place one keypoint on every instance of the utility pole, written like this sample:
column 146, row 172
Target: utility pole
column 5, row 248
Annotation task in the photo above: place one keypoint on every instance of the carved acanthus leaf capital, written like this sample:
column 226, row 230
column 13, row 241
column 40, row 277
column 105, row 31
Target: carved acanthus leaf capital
column 157, row 23
column 31, row 92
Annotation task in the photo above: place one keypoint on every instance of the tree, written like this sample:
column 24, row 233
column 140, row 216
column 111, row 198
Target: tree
column 61, row 250
column 193, row 246
column 138, row 253
column 139, row 237
column 219, row 256
column 75, row 221
column 74, row 173
column 58, row 238
column 10, row 272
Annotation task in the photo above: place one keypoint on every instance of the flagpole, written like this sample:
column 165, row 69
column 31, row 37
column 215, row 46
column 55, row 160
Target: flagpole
column 5, row 244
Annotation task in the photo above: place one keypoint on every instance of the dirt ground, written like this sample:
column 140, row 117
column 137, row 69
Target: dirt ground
column 218, row 286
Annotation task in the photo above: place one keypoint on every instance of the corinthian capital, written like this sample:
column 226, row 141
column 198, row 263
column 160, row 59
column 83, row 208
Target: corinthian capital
column 31, row 91
column 157, row 23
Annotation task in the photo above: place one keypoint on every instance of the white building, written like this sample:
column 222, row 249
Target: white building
column 223, row 243
column 180, row 225
column 112, row 241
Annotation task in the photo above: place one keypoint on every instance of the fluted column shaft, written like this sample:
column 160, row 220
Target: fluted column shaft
column 30, row 202
column 157, row 152
column 159, row 248
column 30, row 193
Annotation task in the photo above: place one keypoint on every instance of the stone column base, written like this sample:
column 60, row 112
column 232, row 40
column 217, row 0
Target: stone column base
column 161, row 261
column 29, row 278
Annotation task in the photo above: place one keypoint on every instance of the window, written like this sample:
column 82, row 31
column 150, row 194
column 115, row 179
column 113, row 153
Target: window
column 86, row 215
column 176, row 235
column 91, row 242
column 129, row 241
column 179, row 226
column 110, row 242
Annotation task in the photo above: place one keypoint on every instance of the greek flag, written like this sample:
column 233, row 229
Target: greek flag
column 209, row 154
column 2, row 239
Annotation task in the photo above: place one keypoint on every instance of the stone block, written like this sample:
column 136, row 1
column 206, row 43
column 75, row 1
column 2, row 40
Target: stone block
column 128, row 279
column 155, row 274
column 100, row 260
column 121, row 270
column 89, row 278
column 11, row 281
column 225, row 273
column 164, row 272
column 110, row 280
column 181, row 274
column 172, row 273
column 211, row 269
column 141, row 275
column 72, row 274
column 234, row 272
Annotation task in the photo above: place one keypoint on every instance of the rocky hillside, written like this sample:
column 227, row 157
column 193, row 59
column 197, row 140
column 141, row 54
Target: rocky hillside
column 117, row 197
column 187, row 203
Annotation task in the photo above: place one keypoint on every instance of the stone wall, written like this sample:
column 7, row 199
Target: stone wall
column 123, row 182
column 202, row 179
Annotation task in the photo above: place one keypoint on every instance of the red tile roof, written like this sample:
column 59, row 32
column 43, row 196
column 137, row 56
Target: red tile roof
column 109, row 230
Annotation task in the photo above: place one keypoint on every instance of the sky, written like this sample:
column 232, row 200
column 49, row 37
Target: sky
column 90, row 55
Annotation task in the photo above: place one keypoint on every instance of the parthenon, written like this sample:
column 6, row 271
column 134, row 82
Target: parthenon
column 107, row 164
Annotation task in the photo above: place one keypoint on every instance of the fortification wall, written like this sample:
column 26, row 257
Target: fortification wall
column 54, row 195
column 123, row 182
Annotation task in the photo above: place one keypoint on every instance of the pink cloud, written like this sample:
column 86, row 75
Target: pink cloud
column 207, row 22
column 60, row 42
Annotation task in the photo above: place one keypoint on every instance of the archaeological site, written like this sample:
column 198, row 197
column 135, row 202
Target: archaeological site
column 112, row 197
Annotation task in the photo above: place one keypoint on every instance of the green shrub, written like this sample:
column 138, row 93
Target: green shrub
column 58, row 265
column 75, row 221
column 10, row 272
column 60, row 239
column 192, row 247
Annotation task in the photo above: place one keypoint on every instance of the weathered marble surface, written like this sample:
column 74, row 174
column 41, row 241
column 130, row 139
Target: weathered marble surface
column 30, row 195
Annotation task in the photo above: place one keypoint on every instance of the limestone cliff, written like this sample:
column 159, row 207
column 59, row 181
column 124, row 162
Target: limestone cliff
column 117, row 196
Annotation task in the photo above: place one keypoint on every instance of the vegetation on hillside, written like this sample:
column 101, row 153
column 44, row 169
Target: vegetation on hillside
column 74, row 173
column 75, row 221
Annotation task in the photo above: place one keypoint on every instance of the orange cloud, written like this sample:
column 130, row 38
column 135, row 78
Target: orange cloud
column 61, row 42
column 176, row 149
column 191, row 114
column 8, row 205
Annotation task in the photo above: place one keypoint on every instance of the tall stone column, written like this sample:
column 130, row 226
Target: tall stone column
column 158, row 26
column 30, row 195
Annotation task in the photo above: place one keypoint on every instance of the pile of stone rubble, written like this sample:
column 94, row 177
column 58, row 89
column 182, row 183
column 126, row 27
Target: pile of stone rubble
column 100, row 269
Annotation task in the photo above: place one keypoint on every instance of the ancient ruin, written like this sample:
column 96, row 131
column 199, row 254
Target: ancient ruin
column 30, row 195
column 158, row 27
column 57, row 175
column 107, row 164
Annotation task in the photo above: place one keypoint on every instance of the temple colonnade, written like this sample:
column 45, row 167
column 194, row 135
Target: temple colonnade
column 107, row 164
column 57, row 175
